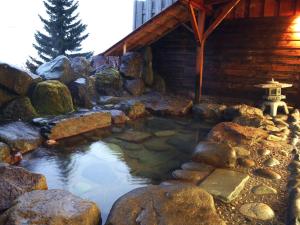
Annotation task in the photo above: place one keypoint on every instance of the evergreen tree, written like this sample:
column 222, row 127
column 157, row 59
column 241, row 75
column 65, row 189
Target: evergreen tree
column 63, row 35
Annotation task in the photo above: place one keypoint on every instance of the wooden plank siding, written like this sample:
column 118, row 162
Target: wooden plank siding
column 239, row 54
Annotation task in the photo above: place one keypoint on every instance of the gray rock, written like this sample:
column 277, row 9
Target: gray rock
column 263, row 190
column 132, row 65
column 16, row 80
column 209, row 111
column 57, row 69
column 16, row 181
column 225, row 185
column 218, row 155
column 135, row 87
column 21, row 137
column 56, row 207
column 259, row 211
column 161, row 204
column 81, row 66
column 267, row 173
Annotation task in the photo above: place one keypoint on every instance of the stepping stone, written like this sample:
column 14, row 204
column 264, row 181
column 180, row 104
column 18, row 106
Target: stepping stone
column 267, row 173
column 271, row 162
column 259, row 211
column 241, row 152
column 248, row 163
column 197, row 167
column 134, row 136
column 263, row 190
column 224, row 184
column 165, row 133
column 189, row 175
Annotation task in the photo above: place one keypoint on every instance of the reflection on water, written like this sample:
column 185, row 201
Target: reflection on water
column 101, row 167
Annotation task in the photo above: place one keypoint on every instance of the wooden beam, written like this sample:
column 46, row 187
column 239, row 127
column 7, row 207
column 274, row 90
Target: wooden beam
column 215, row 2
column 200, row 56
column 222, row 15
column 194, row 22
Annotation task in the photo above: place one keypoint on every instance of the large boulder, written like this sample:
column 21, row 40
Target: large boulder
column 15, row 181
column 6, row 96
column 135, row 87
column 20, row 108
column 52, row 98
column 20, row 136
column 167, row 205
column 81, row 66
column 132, row 65
column 15, row 79
column 215, row 154
column 148, row 75
column 235, row 134
column 58, row 69
column 83, row 92
column 234, row 111
column 51, row 207
column 108, row 81
column 98, row 61
column 209, row 111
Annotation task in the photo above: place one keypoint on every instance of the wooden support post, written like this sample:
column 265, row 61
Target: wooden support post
column 124, row 48
column 200, row 56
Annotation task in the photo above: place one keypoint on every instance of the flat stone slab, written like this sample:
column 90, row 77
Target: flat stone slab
column 75, row 124
column 20, row 136
column 134, row 136
column 224, row 184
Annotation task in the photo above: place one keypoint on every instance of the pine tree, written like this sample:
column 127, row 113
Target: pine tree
column 63, row 35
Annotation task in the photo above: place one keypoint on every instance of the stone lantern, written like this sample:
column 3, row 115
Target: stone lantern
column 273, row 97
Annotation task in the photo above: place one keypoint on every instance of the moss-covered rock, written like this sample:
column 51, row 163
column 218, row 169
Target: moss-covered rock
column 52, row 98
column 108, row 81
column 4, row 153
column 20, row 108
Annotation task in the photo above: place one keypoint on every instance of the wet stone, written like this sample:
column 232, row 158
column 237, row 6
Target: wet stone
column 189, row 175
column 259, row 211
column 197, row 166
column 271, row 162
column 156, row 144
column 225, row 185
column 267, row 173
column 134, row 136
column 248, row 163
column 263, row 190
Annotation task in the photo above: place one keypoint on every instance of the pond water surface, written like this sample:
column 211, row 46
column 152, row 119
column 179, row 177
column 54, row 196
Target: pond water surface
column 101, row 167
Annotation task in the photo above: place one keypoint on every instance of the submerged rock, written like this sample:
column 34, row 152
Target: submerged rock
column 20, row 109
column 259, row 211
column 218, row 155
column 225, row 185
column 134, row 136
column 56, row 207
column 16, row 80
column 168, row 205
column 235, row 134
column 21, row 137
column 57, row 69
column 52, row 98
column 78, row 123
column 15, row 181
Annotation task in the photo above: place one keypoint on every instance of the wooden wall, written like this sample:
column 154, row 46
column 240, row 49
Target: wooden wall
column 244, row 52
column 174, row 58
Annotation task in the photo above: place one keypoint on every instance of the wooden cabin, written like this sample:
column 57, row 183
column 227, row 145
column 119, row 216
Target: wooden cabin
column 223, row 47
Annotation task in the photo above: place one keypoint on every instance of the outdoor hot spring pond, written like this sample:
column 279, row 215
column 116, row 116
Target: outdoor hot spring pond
column 105, row 164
